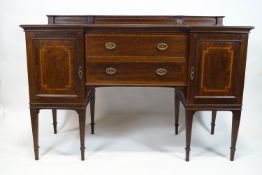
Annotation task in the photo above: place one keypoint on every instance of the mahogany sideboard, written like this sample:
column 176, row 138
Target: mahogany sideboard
column 197, row 55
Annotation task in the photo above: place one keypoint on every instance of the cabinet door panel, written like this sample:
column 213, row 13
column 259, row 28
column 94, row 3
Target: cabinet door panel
column 217, row 64
column 56, row 62
column 54, row 68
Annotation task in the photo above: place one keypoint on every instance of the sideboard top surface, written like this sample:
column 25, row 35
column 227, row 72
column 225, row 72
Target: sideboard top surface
column 83, row 22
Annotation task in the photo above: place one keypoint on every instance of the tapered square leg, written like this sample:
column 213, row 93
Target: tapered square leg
column 213, row 122
column 92, row 113
column 35, row 130
column 235, row 127
column 189, row 121
column 54, row 112
column 177, row 105
column 82, row 121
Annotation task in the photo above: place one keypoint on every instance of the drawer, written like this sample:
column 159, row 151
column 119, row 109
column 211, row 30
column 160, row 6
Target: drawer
column 135, row 73
column 113, row 45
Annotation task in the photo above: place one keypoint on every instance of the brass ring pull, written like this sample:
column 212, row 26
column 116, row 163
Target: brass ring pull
column 162, row 46
column 161, row 71
column 111, row 70
column 110, row 45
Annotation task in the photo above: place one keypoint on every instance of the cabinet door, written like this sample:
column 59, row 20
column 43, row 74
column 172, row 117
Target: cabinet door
column 55, row 64
column 217, row 65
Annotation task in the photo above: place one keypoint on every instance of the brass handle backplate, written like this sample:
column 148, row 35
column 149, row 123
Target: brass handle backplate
column 161, row 46
column 110, row 45
column 111, row 70
column 80, row 72
column 161, row 71
column 192, row 73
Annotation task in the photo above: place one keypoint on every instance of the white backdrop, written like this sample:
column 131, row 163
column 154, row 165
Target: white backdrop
column 118, row 123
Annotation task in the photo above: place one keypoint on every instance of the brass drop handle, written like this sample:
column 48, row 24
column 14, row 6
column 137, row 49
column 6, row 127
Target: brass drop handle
column 161, row 71
column 111, row 70
column 110, row 45
column 161, row 46
column 192, row 73
column 80, row 72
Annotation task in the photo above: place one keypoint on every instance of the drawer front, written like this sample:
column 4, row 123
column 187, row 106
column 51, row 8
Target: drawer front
column 135, row 73
column 110, row 45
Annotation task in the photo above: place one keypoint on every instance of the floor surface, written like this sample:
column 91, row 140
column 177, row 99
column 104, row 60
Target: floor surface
column 127, row 144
